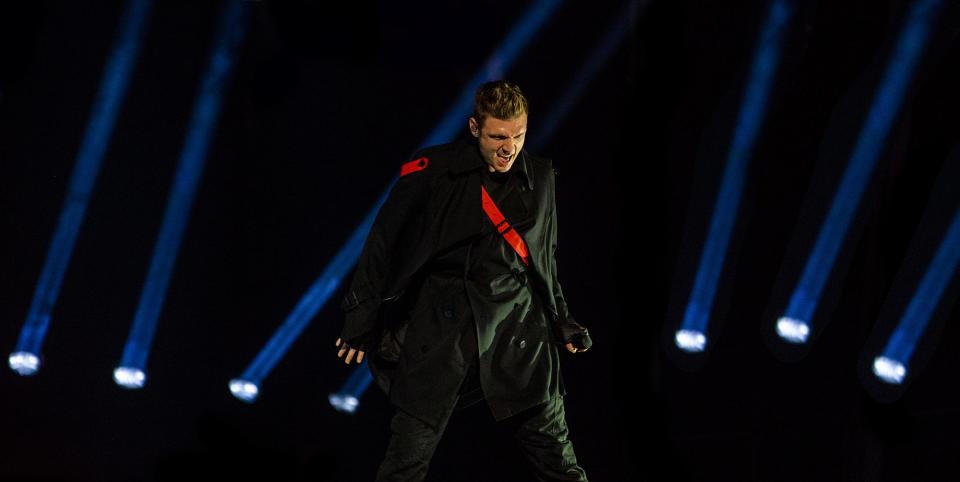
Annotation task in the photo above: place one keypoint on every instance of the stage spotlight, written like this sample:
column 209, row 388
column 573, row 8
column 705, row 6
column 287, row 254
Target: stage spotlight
column 344, row 403
column 129, row 377
column 348, row 396
column 691, row 340
column 199, row 132
column 696, row 316
column 24, row 363
column 890, row 371
column 311, row 302
column 96, row 139
column 792, row 330
column 244, row 390
column 870, row 142
column 903, row 341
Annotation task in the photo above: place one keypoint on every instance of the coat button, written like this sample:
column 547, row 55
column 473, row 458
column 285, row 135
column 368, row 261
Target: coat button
column 448, row 313
column 523, row 343
column 424, row 349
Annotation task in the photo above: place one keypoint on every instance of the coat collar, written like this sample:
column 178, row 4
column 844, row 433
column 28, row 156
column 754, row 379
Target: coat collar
column 468, row 158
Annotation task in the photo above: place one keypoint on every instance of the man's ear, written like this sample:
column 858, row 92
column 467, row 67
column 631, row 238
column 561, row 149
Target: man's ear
column 474, row 127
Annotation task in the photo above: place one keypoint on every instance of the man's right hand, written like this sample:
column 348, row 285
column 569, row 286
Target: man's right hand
column 350, row 351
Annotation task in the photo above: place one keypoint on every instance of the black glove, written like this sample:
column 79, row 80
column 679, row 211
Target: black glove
column 573, row 332
column 362, row 343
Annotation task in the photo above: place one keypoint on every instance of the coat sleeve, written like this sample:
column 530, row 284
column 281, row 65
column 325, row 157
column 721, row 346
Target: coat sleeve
column 565, row 325
column 380, row 257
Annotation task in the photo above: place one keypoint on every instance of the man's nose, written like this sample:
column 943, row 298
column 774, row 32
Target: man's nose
column 508, row 146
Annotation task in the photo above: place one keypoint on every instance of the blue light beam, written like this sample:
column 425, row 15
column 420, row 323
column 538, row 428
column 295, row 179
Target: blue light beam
column 113, row 87
column 502, row 59
column 348, row 397
column 246, row 388
column 891, row 366
column 794, row 325
column 692, row 335
column 599, row 56
column 131, row 372
column 329, row 281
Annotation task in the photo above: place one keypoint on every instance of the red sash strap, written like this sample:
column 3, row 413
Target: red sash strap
column 507, row 231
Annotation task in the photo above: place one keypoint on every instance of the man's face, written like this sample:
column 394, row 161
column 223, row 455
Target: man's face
column 500, row 140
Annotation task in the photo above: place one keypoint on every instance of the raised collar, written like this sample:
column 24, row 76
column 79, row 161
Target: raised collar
column 468, row 158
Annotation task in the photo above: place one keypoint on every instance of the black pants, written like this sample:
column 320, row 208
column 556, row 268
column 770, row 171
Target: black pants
column 541, row 433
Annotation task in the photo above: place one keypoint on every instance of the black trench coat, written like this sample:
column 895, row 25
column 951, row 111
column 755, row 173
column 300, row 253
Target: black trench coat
column 412, row 322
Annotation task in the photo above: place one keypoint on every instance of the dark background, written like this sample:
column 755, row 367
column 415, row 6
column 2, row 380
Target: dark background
column 325, row 103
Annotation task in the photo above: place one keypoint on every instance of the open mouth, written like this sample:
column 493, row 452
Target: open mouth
column 503, row 161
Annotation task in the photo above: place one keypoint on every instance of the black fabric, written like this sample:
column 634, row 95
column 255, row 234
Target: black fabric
column 540, row 432
column 487, row 280
column 470, row 391
column 425, row 251
column 485, row 270
column 498, row 186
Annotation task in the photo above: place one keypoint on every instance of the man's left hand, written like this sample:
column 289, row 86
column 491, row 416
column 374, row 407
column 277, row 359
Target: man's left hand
column 576, row 337
column 573, row 349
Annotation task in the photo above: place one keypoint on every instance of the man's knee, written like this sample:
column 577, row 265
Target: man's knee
column 546, row 419
column 410, row 449
column 543, row 437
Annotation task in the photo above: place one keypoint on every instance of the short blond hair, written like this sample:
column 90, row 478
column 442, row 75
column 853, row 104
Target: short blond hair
column 500, row 99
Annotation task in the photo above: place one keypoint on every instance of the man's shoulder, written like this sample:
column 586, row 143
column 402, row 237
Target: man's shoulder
column 439, row 156
column 543, row 167
column 427, row 161
column 541, row 162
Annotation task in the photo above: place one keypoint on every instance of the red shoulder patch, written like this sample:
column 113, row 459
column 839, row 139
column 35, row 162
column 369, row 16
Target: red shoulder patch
column 414, row 166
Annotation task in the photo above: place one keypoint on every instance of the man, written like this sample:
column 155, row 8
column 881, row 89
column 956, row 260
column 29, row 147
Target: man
column 455, row 298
